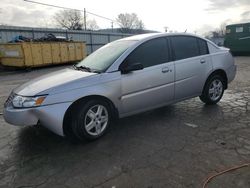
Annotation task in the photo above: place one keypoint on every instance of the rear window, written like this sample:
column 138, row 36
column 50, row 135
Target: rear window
column 202, row 46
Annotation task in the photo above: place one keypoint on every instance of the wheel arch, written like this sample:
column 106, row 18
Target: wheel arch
column 67, row 131
column 220, row 72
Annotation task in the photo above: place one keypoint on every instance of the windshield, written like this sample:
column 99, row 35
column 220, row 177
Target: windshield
column 102, row 58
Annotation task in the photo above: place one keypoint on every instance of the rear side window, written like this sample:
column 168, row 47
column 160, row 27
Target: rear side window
column 184, row 47
column 150, row 53
column 202, row 46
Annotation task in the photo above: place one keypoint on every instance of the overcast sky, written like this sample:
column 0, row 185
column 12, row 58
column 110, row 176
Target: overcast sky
column 178, row 15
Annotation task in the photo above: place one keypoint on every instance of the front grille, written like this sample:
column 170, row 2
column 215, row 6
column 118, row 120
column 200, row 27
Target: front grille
column 9, row 100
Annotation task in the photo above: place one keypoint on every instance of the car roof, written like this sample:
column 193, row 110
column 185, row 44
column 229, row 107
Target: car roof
column 144, row 37
column 155, row 35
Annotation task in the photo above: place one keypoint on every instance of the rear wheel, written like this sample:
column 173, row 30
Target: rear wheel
column 213, row 90
column 91, row 120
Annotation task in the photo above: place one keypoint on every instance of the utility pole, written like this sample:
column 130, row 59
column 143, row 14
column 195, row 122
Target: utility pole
column 85, row 23
column 112, row 25
column 166, row 29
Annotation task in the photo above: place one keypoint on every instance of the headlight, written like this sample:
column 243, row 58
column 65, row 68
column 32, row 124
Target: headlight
column 25, row 102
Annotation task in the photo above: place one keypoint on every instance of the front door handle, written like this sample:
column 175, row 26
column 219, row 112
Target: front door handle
column 202, row 61
column 165, row 70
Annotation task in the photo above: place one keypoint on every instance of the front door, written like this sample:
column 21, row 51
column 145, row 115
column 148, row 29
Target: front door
column 152, row 86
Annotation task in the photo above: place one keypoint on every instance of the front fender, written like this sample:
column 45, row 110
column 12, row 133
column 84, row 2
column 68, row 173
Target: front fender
column 110, row 88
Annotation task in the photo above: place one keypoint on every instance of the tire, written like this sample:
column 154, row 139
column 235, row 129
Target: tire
column 91, row 120
column 213, row 90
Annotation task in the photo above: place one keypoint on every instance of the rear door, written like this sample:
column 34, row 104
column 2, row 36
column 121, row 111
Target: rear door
column 192, row 65
column 152, row 86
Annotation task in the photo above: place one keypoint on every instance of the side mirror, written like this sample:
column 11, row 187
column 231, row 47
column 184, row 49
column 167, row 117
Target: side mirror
column 132, row 67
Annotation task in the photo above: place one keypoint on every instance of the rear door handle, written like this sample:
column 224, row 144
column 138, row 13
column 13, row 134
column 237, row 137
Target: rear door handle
column 202, row 61
column 165, row 70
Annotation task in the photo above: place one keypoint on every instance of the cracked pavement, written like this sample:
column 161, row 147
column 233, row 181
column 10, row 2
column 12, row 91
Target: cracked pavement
column 176, row 146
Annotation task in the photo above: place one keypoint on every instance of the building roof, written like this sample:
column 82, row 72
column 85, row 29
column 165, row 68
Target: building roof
column 238, row 24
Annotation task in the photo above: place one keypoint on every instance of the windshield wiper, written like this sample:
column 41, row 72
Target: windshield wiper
column 82, row 68
column 88, row 69
column 96, row 71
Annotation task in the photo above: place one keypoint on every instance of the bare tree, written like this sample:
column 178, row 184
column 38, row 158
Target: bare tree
column 129, row 22
column 217, row 32
column 73, row 20
column 92, row 25
column 222, row 29
column 69, row 19
column 140, row 25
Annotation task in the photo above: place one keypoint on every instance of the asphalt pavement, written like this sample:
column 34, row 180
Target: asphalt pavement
column 176, row 146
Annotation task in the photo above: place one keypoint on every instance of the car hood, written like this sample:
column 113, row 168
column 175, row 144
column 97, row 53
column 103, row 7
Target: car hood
column 48, row 82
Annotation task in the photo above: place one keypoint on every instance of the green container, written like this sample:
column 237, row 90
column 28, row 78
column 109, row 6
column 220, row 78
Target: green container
column 238, row 38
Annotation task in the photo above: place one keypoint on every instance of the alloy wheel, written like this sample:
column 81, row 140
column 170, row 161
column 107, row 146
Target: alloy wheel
column 215, row 89
column 96, row 120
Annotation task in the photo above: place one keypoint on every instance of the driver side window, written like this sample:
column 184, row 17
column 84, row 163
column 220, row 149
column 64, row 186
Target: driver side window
column 150, row 53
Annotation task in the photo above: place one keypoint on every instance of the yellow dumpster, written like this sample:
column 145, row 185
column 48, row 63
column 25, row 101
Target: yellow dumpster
column 35, row 54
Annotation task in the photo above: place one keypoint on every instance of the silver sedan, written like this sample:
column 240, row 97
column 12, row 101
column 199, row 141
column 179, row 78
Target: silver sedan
column 125, row 77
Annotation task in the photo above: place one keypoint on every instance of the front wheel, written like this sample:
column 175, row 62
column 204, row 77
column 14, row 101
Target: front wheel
column 91, row 120
column 213, row 90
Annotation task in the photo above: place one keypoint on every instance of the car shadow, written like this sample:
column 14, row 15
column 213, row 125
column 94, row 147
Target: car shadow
column 37, row 139
column 212, row 110
column 129, row 141
column 151, row 126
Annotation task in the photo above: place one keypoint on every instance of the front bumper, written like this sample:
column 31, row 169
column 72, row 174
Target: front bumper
column 20, row 116
column 50, row 116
